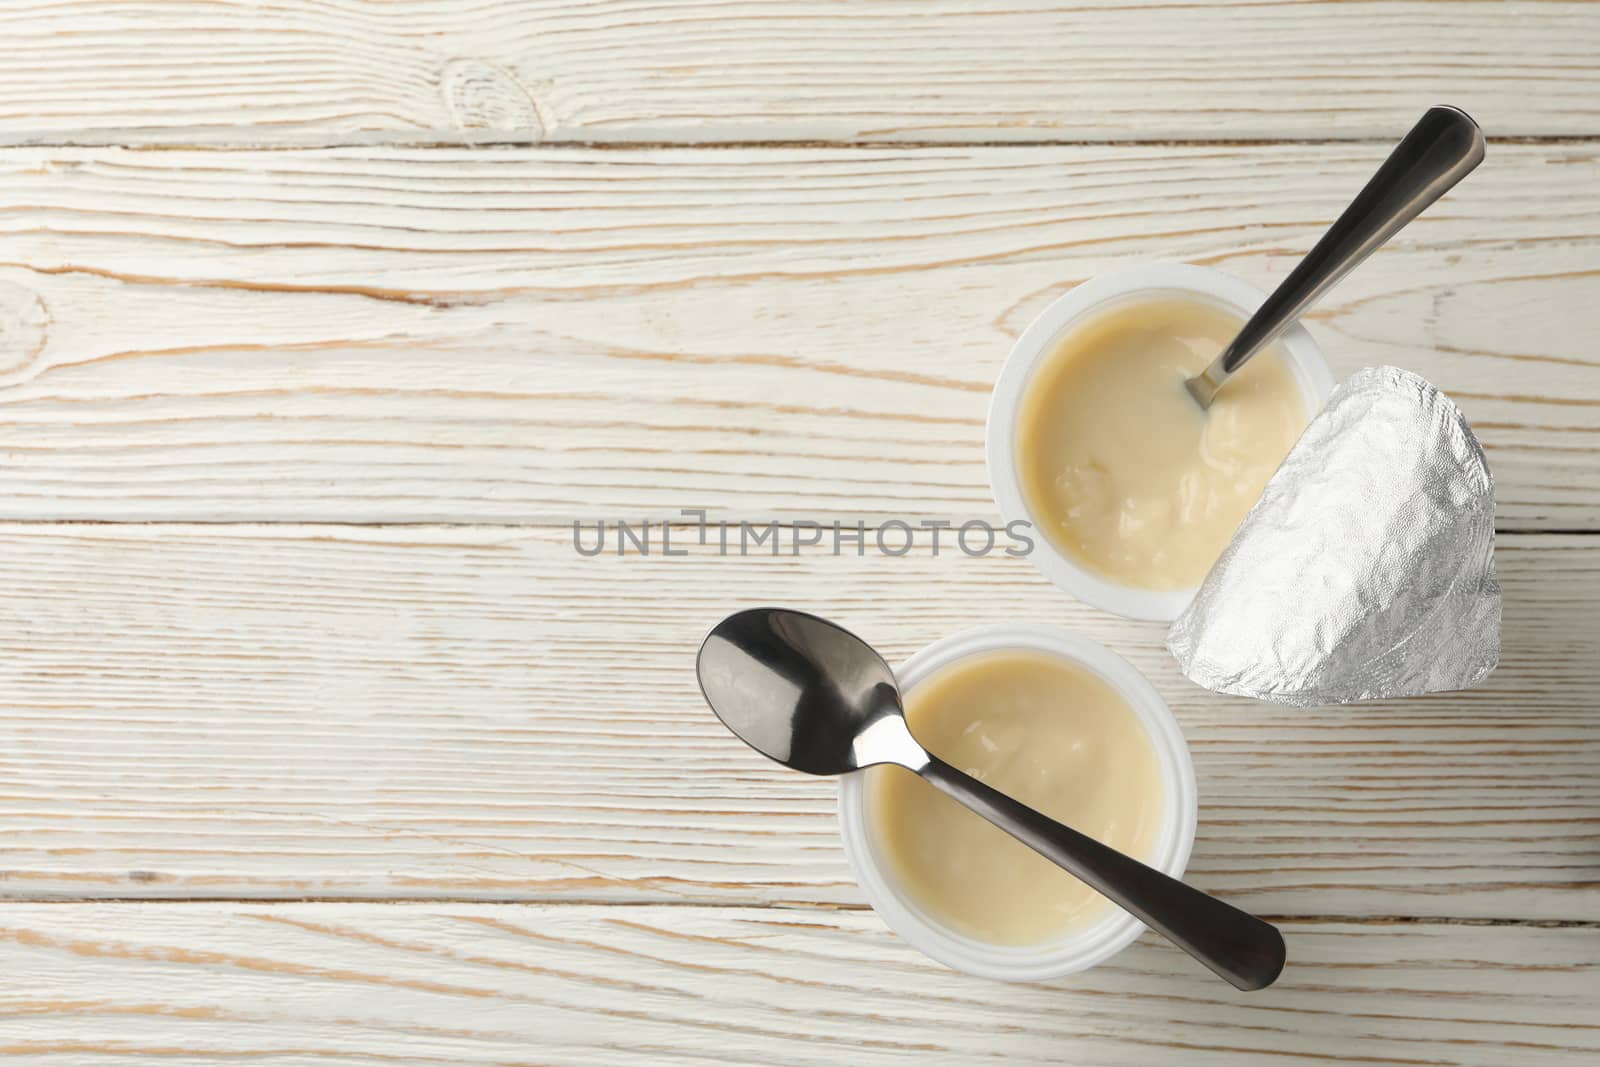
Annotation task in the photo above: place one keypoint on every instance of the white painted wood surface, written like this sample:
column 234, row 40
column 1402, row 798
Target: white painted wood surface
column 531, row 336
column 460, row 984
column 289, row 436
column 483, row 714
column 337, row 71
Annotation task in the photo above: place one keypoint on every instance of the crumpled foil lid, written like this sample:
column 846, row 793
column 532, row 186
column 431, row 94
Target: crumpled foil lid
column 1366, row 570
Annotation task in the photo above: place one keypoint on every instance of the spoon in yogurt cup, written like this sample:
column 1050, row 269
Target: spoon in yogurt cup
column 1441, row 149
column 815, row 697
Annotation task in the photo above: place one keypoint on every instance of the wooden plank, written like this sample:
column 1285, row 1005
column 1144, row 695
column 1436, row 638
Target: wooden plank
column 318, row 72
column 480, row 714
column 460, row 984
column 529, row 336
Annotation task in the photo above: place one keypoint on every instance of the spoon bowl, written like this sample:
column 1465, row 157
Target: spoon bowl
column 804, row 692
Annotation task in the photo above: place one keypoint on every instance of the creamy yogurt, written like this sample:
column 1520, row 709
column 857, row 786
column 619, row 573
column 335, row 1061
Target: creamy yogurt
column 1046, row 731
column 1120, row 467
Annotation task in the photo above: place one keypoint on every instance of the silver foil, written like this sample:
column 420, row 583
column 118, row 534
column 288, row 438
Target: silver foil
column 1366, row 570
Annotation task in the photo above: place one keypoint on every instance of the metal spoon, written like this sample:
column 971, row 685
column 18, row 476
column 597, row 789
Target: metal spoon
column 1439, row 151
column 817, row 698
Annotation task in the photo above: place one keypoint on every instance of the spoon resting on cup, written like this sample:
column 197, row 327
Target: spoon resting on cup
column 1441, row 149
column 815, row 697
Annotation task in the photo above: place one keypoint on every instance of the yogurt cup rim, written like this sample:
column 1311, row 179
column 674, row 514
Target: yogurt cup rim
column 1079, row 949
column 1305, row 359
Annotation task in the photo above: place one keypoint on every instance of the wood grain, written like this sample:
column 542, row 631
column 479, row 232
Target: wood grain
column 486, row 750
column 531, row 336
column 319, row 984
column 481, row 714
column 521, row 71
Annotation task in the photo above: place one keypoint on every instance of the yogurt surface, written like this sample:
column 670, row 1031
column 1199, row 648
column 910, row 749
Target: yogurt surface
column 1050, row 733
column 1119, row 466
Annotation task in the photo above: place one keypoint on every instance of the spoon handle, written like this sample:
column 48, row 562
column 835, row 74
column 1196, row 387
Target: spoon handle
column 1441, row 149
column 1241, row 948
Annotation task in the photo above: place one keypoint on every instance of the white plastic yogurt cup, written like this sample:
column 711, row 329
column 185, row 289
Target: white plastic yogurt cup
column 1305, row 360
column 1079, row 949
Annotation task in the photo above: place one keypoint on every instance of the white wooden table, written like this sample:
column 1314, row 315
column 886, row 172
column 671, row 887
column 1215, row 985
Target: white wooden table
column 322, row 320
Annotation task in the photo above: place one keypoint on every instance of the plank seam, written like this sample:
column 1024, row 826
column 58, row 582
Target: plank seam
column 433, row 524
column 580, row 902
column 749, row 145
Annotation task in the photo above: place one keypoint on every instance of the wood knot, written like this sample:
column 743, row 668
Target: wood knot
column 489, row 101
column 24, row 326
